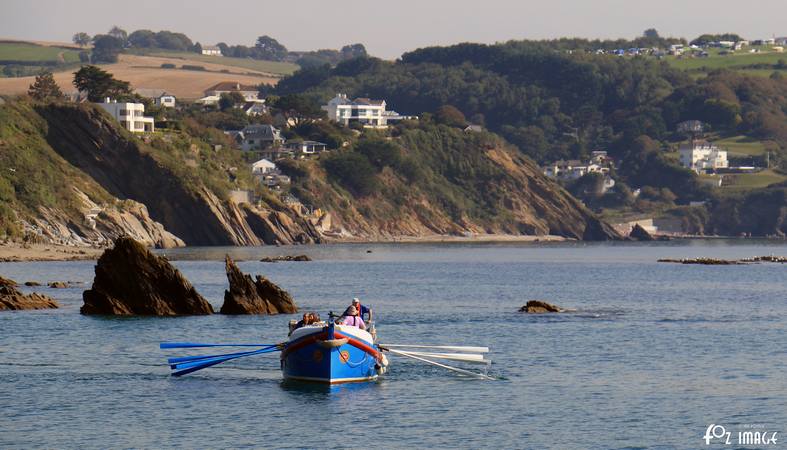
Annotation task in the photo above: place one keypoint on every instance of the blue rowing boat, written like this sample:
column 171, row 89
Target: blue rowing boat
column 330, row 353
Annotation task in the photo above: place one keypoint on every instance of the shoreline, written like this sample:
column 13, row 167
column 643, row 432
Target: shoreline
column 18, row 252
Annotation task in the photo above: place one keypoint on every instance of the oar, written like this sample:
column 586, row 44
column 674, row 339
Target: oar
column 453, row 348
column 444, row 366
column 187, row 368
column 466, row 357
column 199, row 357
column 195, row 363
column 197, row 344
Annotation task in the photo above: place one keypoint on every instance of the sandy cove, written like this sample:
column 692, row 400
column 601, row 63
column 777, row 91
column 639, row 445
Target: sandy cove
column 14, row 252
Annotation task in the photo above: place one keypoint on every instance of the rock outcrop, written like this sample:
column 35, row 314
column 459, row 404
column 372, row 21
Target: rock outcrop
column 638, row 233
column 260, row 296
column 273, row 259
column 131, row 280
column 12, row 299
column 540, row 307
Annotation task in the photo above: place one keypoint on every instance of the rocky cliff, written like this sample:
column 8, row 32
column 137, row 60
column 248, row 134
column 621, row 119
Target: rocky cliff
column 444, row 182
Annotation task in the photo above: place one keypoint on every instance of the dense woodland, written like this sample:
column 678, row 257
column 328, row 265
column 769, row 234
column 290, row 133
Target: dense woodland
column 554, row 104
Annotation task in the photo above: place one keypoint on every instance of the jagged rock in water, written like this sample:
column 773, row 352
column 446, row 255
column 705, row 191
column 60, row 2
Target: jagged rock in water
column 260, row 296
column 32, row 283
column 131, row 280
column 12, row 299
column 638, row 233
column 540, row 307
column 58, row 285
column 286, row 258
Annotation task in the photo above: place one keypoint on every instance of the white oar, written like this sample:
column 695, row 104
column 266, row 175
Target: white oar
column 455, row 369
column 466, row 357
column 453, row 348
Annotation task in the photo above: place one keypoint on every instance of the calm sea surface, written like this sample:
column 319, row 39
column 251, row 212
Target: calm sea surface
column 654, row 354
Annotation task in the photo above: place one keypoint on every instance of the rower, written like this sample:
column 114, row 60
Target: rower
column 361, row 310
column 353, row 318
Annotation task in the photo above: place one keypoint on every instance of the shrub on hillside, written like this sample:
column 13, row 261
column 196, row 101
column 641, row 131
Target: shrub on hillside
column 353, row 171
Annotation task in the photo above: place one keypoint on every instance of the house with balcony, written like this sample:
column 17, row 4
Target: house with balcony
column 702, row 156
column 130, row 115
column 367, row 112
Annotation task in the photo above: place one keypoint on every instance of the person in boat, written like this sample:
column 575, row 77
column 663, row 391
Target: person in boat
column 308, row 319
column 353, row 318
column 360, row 310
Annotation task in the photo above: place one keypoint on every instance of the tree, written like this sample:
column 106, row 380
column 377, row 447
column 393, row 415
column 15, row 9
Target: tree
column 119, row 33
column 100, row 84
column 651, row 33
column 81, row 39
column 229, row 100
column 299, row 108
column 269, row 48
column 142, row 39
column 353, row 51
column 44, row 87
column 451, row 116
column 106, row 48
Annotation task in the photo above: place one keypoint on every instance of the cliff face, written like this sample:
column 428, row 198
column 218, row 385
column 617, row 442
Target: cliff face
column 46, row 199
column 85, row 181
column 174, row 195
column 464, row 184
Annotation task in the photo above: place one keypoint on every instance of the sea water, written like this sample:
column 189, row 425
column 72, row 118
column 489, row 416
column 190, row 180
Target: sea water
column 654, row 354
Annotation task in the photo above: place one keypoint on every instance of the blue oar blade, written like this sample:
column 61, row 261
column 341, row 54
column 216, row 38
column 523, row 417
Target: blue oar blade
column 196, row 368
column 199, row 357
column 199, row 344
column 193, row 366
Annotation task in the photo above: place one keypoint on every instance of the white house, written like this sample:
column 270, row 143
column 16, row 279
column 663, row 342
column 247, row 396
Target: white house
column 367, row 112
column 211, row 50
column 254, row 108
column 165, row 100
column 263, row 167
column 307, row 147
column 160, row 97
column 130, row 115
column 702, row 156
column 213, row 93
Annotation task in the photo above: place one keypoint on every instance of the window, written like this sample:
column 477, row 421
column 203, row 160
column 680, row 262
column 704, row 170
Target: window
column 123, row 112
column 139, row 125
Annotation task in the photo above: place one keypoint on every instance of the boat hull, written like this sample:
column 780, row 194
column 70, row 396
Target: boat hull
column 331, row 354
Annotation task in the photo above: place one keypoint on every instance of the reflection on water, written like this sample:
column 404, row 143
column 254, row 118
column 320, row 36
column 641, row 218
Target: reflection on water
column 652, row 354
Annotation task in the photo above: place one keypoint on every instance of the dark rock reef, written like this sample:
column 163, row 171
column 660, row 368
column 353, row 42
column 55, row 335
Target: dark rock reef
column 12, row 299
column 272, row 259
column 260, row 296
column 131, row 280
column 540, row 307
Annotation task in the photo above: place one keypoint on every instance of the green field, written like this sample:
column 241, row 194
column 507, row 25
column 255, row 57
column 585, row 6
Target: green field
column 272, row 67
column 745, row 181
column 741, row 145
column 738, row 61
column 20, row 51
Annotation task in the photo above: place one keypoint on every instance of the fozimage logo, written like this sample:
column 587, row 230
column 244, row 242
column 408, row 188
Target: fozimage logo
column 750, row 434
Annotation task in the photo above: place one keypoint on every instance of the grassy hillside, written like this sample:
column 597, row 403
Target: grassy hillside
column 32, row 174
column 23, row 51
column 757, row 64
column 270, row 67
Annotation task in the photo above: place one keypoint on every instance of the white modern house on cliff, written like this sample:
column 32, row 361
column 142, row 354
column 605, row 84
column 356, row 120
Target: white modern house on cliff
column 701, row 156
column 365, row 111
column 130, row 115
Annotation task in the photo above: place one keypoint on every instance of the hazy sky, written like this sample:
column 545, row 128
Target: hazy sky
column 388, row 28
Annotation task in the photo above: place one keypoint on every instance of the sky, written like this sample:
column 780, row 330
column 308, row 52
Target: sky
column 388, row 29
